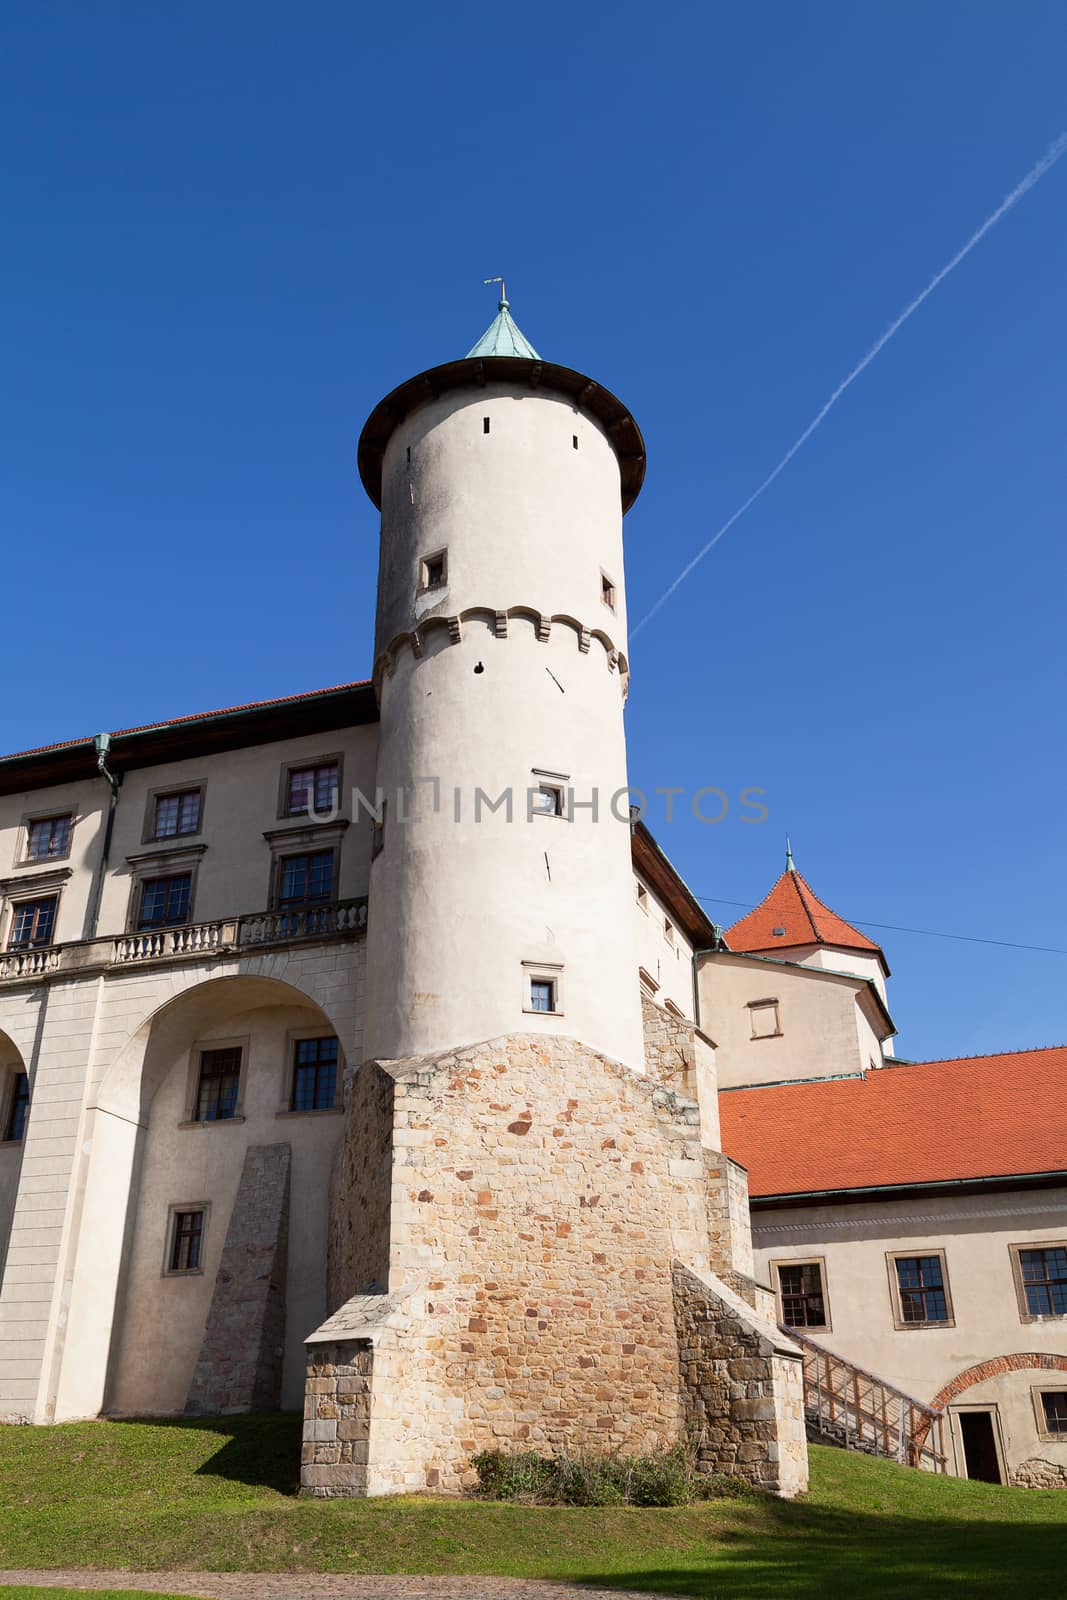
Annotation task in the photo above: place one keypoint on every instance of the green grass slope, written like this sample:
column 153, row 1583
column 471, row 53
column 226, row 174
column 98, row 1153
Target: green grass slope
column 221, row 1496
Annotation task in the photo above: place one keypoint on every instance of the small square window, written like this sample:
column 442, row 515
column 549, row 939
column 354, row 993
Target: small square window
column 312, row 789
column 218, row 1085
column 668, row 930
column 547, row 800
column 165, row 902
column 764, row 1018
column 186, row 1241
column 33, row 923
column 48, row 838
column 314, row 1075
column 18, row 1108
column 642, row 897
column 607, row 591
column 542, row 994
column 176, row 814
column 433, row 570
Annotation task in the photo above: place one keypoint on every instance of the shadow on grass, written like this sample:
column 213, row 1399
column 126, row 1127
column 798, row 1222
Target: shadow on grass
column 262, row 1450
column 808, row 1553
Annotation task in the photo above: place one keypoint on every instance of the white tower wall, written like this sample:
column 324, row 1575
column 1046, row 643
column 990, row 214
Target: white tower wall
column 463, row 912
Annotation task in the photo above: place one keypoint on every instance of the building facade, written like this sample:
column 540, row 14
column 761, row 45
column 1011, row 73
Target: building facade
column 346, row 1062
column 911, row 1217
column 361, row 1053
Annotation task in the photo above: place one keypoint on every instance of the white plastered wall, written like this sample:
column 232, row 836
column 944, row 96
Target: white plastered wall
column 824, row 1032
column 668, row 961
column 975, row 1232
column 526, row 681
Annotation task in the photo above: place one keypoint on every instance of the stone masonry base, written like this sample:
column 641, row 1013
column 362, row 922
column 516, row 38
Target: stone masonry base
column 526, row 1252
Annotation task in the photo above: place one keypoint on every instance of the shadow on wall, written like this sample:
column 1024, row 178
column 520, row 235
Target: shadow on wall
column 261, row 1450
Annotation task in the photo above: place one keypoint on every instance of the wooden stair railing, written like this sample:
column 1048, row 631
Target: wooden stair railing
column 866, row 1412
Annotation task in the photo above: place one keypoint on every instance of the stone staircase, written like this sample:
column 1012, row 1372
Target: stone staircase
column 847, row 1406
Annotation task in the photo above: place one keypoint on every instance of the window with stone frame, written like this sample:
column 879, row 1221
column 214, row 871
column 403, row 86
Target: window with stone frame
column 313, row 789
column 48, row 838
column 218, row 1085
column 18, row 1108
column 164, row 902
column 1041, row 1279
column 314, row 1074
column 33, row 923
column 176, row 815
column 186, row 1240
column 921, row 1290
column 1054, row 1412
column 802, row 1294
column 305, row 879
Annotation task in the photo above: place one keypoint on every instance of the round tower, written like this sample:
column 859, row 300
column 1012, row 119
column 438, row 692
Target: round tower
column 501, row 897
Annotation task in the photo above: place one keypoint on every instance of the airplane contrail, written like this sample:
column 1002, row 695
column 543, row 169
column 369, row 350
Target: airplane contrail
column 1055, row 150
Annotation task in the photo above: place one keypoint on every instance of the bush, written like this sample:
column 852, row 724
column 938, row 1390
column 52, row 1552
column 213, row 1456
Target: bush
column 664, row 1478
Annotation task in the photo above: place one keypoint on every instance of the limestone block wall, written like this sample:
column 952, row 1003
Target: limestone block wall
column 538, row 1193
column 680, row 1056
column 743, row 1387
column 240, row 1363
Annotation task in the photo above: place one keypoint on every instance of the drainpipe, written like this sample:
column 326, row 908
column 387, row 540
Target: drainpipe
column 102, row 744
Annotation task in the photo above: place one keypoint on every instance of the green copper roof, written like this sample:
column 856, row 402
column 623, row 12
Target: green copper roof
column 503, row 338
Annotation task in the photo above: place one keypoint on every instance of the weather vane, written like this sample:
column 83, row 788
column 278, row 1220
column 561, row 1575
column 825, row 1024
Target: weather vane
column 503, row 289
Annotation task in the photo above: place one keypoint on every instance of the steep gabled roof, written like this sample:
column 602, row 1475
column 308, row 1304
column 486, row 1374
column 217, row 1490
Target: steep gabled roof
column 793, row 915
column 914, row 1123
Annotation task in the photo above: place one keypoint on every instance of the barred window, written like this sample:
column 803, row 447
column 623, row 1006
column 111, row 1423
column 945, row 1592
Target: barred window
column 542, row 994
column 803, row 1296
column 1044, row 1280
column 218, row 1084
column 921, row 1285
column 177, row 814
column 33, row 923
column 314, row 1074
column 186, row 1241
column 165, row 902
column 49, row 837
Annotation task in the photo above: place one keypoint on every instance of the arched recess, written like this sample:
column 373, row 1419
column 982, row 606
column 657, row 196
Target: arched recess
column 994, row 1367
column 139, row 1152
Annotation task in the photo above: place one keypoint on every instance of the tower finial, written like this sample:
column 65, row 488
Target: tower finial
column 790, row 864
column 503, row 291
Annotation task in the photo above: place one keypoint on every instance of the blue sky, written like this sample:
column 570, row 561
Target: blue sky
column 231, row 229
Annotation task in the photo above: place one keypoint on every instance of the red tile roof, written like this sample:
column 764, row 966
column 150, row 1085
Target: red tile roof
column 926, row 1122
column 793, row 908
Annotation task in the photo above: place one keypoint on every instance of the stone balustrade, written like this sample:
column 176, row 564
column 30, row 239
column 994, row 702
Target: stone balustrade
column 340, row 919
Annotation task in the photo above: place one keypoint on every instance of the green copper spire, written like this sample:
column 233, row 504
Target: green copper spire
column 502, row 337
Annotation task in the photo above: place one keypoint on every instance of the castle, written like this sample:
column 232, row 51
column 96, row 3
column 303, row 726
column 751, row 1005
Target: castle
column 361, row 1053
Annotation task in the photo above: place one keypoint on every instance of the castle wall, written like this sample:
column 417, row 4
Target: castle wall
column 539, row 1193
column 682, row 1058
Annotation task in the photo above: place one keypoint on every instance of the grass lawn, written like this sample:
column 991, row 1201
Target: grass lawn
column 219, row 1496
